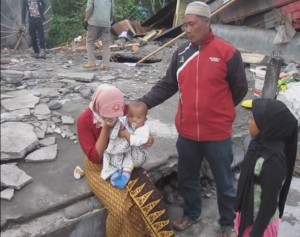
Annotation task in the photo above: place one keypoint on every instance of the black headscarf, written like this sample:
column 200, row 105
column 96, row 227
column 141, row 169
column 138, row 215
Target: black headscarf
column 277, row 139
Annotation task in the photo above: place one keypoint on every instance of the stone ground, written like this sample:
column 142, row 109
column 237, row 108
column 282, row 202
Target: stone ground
column 45, row 97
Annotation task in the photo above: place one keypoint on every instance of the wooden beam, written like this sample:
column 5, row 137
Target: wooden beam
column 160, row 48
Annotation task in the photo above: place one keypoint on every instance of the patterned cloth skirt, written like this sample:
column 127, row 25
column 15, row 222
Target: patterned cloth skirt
column 271, row 230
column 137, row 211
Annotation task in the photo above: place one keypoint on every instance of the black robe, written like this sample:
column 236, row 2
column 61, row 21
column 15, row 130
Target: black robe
column 277, row 144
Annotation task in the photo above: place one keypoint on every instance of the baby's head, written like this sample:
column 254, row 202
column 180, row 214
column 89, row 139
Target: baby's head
column 108, row 102
column 137, row 114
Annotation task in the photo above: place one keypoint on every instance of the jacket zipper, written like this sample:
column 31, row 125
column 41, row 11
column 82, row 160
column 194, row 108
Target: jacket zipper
column 197, row 94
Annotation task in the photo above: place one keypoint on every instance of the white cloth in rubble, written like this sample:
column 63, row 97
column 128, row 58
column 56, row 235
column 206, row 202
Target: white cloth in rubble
column 291, row 98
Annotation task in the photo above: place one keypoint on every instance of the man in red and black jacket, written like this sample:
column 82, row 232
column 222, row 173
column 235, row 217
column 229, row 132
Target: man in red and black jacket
column 210, row 77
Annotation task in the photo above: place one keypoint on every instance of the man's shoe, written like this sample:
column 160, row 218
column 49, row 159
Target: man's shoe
column 184, row 223
column 43, row 53
column 228, row 231
column 35, row 55
column 89, row 65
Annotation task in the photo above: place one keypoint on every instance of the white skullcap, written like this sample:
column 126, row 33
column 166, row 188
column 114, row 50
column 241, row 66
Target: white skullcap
column 198, row 8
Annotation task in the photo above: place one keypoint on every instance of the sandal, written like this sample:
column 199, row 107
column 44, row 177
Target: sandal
column 104, row 67
column 228, row 231
column 184, row 223
column 89, row 65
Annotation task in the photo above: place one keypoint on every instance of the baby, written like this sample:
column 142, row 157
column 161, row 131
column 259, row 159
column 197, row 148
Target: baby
column 125, row 151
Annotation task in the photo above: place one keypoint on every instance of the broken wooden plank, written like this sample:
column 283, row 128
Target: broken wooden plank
column 139, row 30
column 150, row 35
column 180, row 10
column 160, row 48
column 121, row 26
column 18, row 43
column 134, row 47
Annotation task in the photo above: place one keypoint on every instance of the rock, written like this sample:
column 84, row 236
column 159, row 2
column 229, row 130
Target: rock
column 39, row 133
column 17, row 139
column 56, row 120
column 85, row 93
column 107, row 78
column 67, row 119
column 57, row 130
column 78, row 76
column 7, row 194
column 22, row 112
column 47, row 92
column 10, row 117
column 48, row 153
column 27, row 75
column 15, row 80
column 47, row 141
column 13, row 177
column 20, row 102
column 55, row 104
column 41, row 109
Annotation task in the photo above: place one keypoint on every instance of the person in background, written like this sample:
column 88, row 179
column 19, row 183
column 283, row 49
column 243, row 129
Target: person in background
column 139, row 209
column 125, row 148
column 267, row 169
column 35, row 10
column 210, row 77
column 98, row 17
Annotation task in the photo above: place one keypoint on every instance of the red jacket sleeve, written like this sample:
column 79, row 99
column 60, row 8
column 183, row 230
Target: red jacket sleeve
column 88, row 135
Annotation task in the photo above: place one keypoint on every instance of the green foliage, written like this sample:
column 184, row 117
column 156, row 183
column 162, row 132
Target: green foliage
column 128, row 10
column 68, row 7
column 64, row 28
column 67, row 21
column 69, row 14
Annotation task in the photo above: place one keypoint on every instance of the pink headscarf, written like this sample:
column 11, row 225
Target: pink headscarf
column 107, row 101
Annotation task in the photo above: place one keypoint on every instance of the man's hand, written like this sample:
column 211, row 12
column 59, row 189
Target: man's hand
column 85, row 25
column 87, row 16
column 149, row 143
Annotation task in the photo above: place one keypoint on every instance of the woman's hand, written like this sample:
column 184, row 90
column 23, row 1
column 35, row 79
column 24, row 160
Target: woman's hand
column 149, row 143
column 110, row 122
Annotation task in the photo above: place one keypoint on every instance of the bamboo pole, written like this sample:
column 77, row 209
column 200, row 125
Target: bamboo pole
column 160, row 48
column 181, row 35
column 17, row 45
